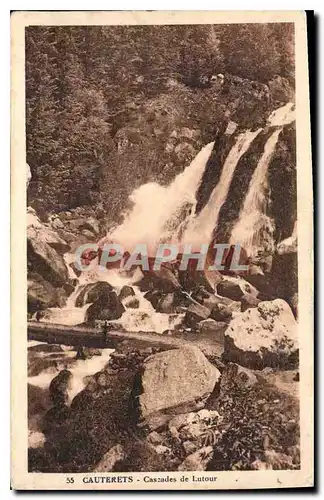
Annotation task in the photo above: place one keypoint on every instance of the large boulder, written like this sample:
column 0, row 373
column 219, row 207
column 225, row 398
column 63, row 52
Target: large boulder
column 48, row 236
column 88, row 235
column 59, row 386
column 91, row 224
column 164, row 280
column 284, row 272
column 212, row 328
column 259, row 279
column 68, row 236
column 197, row 461
column 248, row 301
column 263, row 336
column 166, row 304
column 175, row 381
column 111, row 459
column 126, row 291
column 192, row 279
column 78, row 225
column 57, row 223
column 46, row 261
column 107, row 307
column 41, row 294
column 154, row 297
column 131, row 302
column 221, row 312
column 93, row 292
column 209, row 300
column 195, row 313
column 230, row 289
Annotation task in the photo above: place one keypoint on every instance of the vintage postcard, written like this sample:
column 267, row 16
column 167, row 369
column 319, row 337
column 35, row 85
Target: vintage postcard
column 162, row 251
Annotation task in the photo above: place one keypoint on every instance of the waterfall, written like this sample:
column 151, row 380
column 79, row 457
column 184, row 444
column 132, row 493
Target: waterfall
column 200, row 228
column 253, row 225
column 158, row 210
column 282, row 116
column 80, row 369
column 146, row 319
column 167, row 214
column 163, row 214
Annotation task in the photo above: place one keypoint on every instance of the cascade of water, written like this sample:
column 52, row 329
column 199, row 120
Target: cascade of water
column 282, row 116
column 253, row 222
column 167, row 214
column 200, row 228
column 146, row 319
column 158, row 210
column 79, row 368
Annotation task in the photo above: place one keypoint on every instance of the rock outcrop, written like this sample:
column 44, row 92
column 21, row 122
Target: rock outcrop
column 106, row 307
column 214, row 328
column 46, row 261
column 126, row 291
column 263, row 336
column 175, row 381
column 197, row 460
column 42, row 294
column 58, row 389
column 48, row 236
column 230, row 290
column 46, row 267
column 110, row 460
column 92, row 292
column 196, row 313
column 163, row 280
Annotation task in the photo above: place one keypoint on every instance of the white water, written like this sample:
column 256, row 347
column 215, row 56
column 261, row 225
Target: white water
column 79, row 368
column 156, row 216
column 289, row 245
column 201, row 228
column 32, row 219
column 70, row 316
column 167, row 214
column 69, row 258
column 157, row 209
column 146, row 319
column 282, row 116
column 252, row 221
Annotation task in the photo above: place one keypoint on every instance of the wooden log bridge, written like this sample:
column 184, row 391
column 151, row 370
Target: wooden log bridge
column 77, row 336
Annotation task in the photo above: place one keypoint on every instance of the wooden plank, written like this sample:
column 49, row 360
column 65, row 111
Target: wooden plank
column 92, row 337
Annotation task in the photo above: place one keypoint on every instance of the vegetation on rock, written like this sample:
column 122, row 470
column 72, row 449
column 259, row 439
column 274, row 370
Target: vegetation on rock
column 92, row 91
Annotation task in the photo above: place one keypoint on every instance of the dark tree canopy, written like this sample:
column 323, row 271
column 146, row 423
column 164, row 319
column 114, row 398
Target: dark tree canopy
column 85, row 83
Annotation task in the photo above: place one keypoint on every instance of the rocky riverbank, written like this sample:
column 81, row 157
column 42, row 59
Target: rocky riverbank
column 152, row 409
column 227, row 397
column 226, row 400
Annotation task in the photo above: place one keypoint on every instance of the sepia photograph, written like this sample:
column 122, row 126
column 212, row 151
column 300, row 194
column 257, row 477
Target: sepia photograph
column 164, row 299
